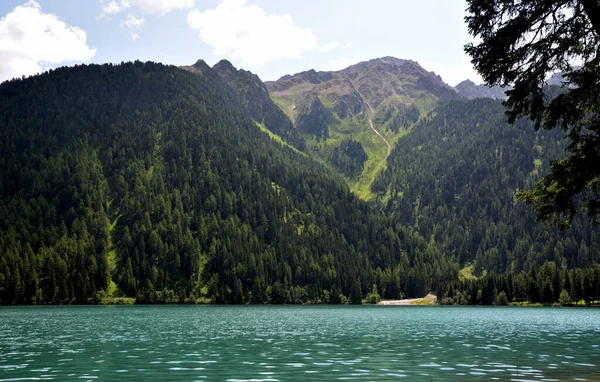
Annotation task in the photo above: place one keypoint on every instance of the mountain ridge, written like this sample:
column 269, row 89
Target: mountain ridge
column 468, row 89
column 357, row 78
column 255, row 97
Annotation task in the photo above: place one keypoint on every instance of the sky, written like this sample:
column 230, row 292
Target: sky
column 271, row 38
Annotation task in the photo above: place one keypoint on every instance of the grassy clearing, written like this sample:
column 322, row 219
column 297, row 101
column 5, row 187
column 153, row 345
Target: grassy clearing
column 376, row 150
column 580, row 303
column 277, row 138
column 114, row 296
column 539, row 149
column 357, row 128
column 111, row 291
column 202, row 301
column 424, row 301
column 286, row 105
column 362, row 186
column 525, row 303
column 117, row 301
column 467, row 273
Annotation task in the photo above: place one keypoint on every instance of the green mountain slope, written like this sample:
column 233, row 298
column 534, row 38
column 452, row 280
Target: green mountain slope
column 454, row 179
column 255, row 97
column 158, row 179
column 370, row 104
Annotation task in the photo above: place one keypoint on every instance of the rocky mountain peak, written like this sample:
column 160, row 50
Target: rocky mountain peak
column 470, row 90
column 201, row 66
column 224, row 65
column 380, row 82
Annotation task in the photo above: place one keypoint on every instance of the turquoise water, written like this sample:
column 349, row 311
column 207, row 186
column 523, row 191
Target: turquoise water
column 189, row 343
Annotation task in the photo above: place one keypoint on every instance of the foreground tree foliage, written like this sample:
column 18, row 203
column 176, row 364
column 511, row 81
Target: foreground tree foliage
column 521, row 42
column 156, row 179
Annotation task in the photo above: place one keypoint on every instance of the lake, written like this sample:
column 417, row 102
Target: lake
column 190, row 343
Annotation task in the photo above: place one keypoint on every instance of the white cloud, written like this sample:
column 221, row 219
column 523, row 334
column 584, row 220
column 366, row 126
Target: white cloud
column 113, row 7
column 343, row 62
column 133, row 25
column 328, row 47
column 160, row 7
column 30, row 39
column 240, row 31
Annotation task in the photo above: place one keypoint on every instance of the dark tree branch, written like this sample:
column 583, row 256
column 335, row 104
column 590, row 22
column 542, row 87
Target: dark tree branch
column 592, row 9
column 521, row 42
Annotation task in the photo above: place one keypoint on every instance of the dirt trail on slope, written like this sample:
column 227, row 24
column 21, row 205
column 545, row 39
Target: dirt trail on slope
column 389, row 148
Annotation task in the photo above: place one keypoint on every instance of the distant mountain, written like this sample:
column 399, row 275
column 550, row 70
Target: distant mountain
column 334, row 111
column 380, row 82
column 470, row 90
column 557, row 78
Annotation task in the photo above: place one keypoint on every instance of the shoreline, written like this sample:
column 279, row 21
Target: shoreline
column 427, row 300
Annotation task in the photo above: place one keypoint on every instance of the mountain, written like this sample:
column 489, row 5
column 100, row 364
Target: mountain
column 255, row 97
column 557, row 78
column 339, row 110
column 381, row 82
column 454, row 179
column 191, row 184
column 148, row 181
column 470, row 90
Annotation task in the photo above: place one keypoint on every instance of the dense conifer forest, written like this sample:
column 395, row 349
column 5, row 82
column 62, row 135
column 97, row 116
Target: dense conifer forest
column 164, row 185
column 148, row 181
column 454, row 177
column 548, row 285
column 254, row 96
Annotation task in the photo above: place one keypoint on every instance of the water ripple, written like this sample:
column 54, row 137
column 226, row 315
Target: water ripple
column 298, row 343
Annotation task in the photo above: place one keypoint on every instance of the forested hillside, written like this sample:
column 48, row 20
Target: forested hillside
column 167, row 185
column 454, row 178
column 157, row 180
column 548, row 284
column 254, row 96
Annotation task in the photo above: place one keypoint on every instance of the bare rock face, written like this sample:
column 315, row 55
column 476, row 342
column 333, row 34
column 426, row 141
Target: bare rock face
column 470, row 90
column 309, row 77
column 379, row 83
